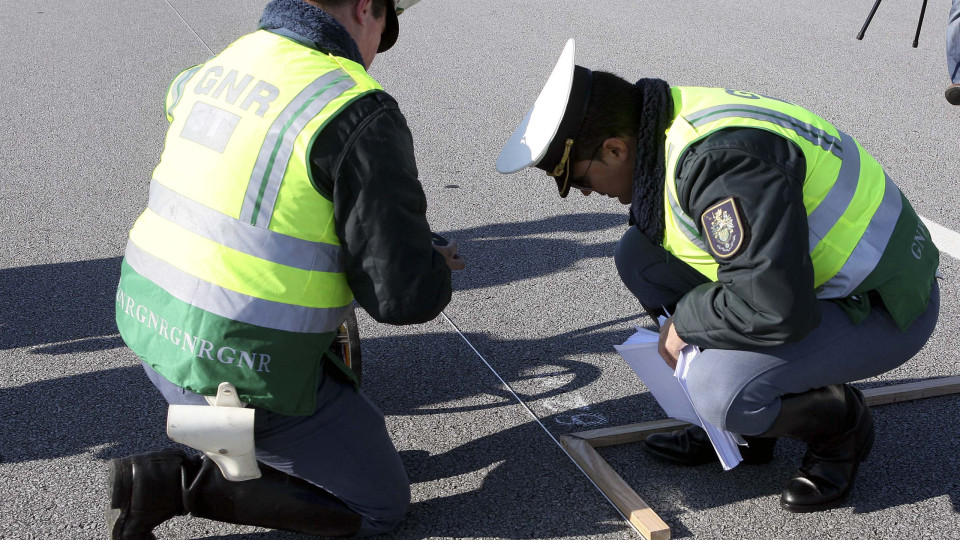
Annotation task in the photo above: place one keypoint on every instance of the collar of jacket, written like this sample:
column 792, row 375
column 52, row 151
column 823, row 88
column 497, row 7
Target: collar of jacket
column 310, row 26
column 654, row 114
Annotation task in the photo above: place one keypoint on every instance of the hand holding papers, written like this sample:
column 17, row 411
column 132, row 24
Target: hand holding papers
column 724, row 442
column 670, row 390
column 640, row 353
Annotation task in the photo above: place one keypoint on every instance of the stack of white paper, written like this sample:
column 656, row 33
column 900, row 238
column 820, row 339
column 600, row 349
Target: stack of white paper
column 669, row 388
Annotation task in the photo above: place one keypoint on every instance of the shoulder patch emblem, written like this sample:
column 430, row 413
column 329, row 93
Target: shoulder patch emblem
column 723, row 229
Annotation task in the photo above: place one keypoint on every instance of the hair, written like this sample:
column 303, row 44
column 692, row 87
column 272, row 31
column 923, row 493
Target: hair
column 612, row 112
column 379, row 6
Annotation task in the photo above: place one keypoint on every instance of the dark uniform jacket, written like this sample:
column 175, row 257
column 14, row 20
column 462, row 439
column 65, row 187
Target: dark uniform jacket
column 363, row 161
column 763, row 296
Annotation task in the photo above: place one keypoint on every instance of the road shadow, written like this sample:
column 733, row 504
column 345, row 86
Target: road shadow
column 521, row 362
column 527, row 488
column 74, row 301
column 114, row 411
column 507, row 252
column 913, row 460
column 54, row 303
column 897, row 473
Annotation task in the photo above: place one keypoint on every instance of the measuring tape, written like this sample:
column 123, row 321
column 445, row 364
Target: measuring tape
column 537, row 419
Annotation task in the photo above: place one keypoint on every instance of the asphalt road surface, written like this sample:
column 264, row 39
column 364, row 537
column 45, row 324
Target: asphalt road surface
column 82, row 125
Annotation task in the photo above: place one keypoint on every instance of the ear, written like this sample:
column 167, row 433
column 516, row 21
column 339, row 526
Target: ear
column 362, row 9
column 616, row 147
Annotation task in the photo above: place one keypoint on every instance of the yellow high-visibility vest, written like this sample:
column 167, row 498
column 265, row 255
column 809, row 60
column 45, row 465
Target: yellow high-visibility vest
column 852, row 206
column 236, row 255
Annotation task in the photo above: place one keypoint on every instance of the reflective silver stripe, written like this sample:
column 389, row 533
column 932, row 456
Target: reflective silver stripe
column 277, row 147
column 834, row 205
column 231, row 304
column 869, row 250
column 176, row 88
column 687, row 226
column 235, row 234
column 813, row 134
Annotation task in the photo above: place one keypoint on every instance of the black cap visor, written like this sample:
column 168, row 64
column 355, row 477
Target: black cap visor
column 392, row 29
column 558, row 160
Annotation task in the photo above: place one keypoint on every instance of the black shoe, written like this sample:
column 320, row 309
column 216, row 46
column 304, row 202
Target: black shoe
column 830, row 466
column 691, row 447
column 144, row 492
column 836, row 424
column 953, row 94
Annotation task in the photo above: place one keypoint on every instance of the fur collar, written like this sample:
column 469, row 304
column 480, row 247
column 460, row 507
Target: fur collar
column 654, row 113
column 312, row 24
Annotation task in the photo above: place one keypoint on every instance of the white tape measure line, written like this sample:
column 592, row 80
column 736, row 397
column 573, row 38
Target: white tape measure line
column 537, row 419
column 204, row 43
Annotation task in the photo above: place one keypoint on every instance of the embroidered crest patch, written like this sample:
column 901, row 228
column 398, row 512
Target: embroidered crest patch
column 723, row 228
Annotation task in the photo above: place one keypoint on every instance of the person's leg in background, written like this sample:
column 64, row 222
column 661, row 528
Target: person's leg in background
column 953, row 53
column 657, row 278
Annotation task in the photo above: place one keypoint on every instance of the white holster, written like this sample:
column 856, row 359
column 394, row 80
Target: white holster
column 222, row 431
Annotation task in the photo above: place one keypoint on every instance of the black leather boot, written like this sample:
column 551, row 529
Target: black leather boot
column 837, row 426
column 275, row 501
column 148, row 489
column 144, row 492
column 691, row 446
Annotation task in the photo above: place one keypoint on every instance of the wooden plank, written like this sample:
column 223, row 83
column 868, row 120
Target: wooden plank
column 928, row 388
column 629, row 433
column 884, row 395
column 623, row 496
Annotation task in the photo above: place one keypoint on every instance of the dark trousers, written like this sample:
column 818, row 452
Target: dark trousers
column 343, row 448
column 740, row 390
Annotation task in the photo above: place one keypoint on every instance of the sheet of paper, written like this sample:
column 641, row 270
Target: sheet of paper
column 669, row 389
column 640, row 353
column 724, row 442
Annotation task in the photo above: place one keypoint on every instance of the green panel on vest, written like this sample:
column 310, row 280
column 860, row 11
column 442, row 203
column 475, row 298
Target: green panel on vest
column 197, row 350
column 904, row 276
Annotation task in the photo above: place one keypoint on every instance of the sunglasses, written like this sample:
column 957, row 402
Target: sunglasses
column 583, row 183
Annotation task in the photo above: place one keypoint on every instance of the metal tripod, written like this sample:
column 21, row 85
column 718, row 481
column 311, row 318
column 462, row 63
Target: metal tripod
column 916, row 38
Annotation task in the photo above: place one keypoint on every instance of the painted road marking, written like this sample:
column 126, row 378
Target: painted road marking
column 946, row 240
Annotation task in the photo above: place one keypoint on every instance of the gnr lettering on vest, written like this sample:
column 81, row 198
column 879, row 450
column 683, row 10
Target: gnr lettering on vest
column 227, row 88
column 919, row 239
column 195, row 345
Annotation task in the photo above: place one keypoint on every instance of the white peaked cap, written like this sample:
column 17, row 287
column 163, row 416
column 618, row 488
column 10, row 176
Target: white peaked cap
column 547, row 133
column 530, row 141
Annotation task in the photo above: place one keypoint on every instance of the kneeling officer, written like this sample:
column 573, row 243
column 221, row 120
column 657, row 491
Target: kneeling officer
column 287, row 188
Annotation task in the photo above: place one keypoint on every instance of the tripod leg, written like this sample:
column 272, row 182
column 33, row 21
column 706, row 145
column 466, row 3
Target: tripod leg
column 866, row 23
column 916, row 38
